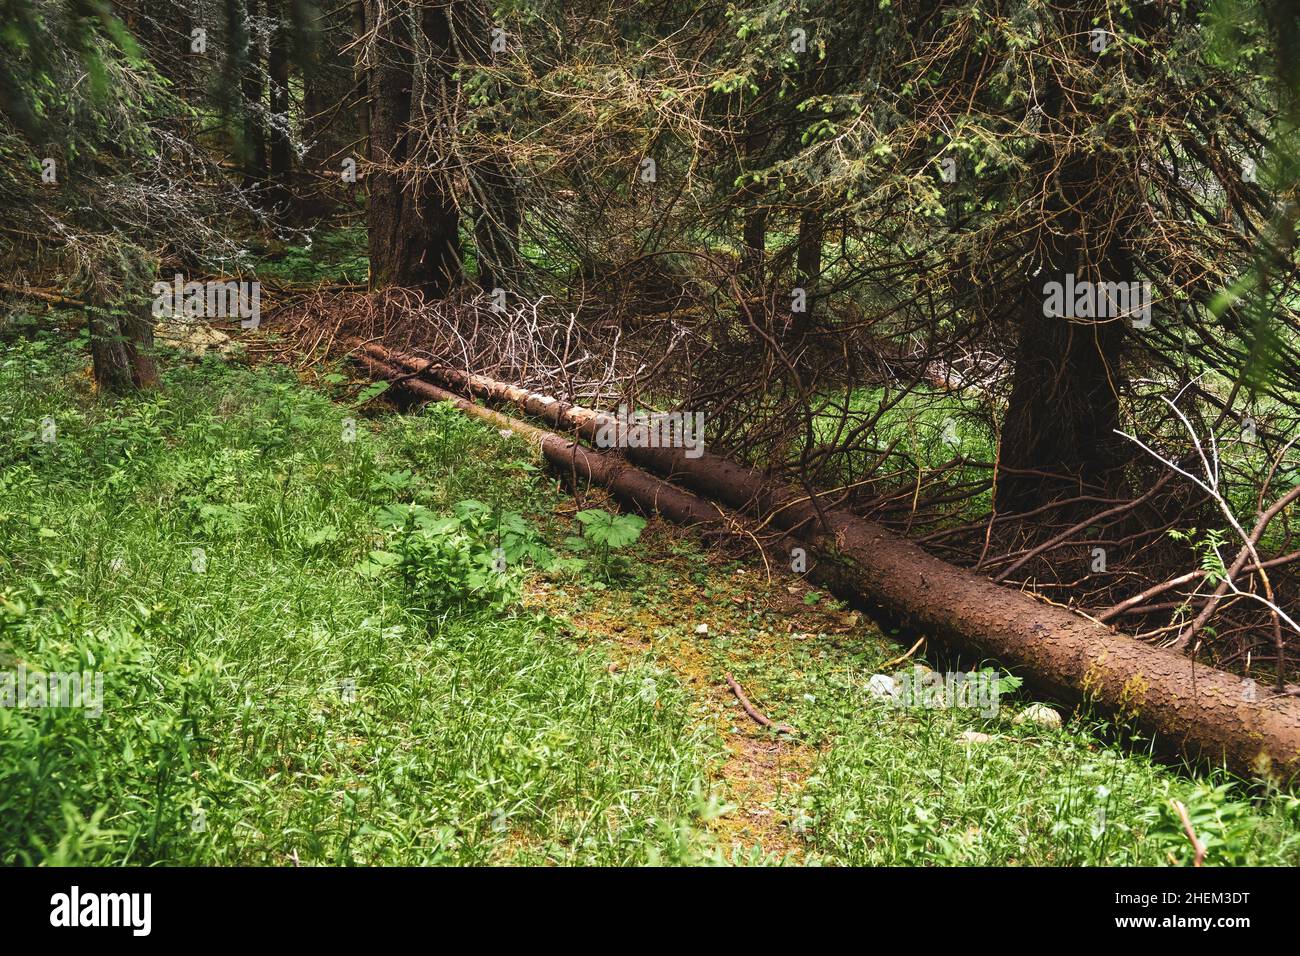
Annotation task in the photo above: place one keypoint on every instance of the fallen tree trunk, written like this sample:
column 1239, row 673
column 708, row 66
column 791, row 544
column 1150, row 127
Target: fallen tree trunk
column 1199, row 712
column 630, row 485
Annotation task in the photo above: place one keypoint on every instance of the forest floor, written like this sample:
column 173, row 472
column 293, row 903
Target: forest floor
column 283, row 582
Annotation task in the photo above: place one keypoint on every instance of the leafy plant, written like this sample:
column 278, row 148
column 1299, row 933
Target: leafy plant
column 1206, row 546
column 473, row 557
column 603, row 534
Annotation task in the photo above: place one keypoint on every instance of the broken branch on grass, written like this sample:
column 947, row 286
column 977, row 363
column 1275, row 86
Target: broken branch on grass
column 754, row 712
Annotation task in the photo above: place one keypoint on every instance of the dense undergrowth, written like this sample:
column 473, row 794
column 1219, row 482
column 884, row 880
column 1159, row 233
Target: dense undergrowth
column 314, row 650
column 265, row 700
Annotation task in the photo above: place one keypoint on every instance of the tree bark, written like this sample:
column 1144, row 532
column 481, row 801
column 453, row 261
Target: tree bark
column 109, row 360
column 329, row 127
column 281, row 154
column 1063, row 409
column 122, row 349
column 630, row 485
column 808, row 265
column 413, row 226
column 138, row 326
column 253, row 92
column 1198, row 712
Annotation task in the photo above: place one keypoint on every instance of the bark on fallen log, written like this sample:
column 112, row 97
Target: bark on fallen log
column 1199, row 712
column 630, row 485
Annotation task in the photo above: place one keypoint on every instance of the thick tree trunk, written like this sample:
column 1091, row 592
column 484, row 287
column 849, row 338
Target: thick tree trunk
column 1064, row 406
column 281, row 169
column 111, row 365
column 414, row 227
column 808, row 266
column 1058, row 435
column 122, row 350
column 253, row 91
column 1196, row 711
column 138, row 327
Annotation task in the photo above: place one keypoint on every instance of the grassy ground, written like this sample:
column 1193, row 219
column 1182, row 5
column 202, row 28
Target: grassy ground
column 265, row 702
column 311, row 656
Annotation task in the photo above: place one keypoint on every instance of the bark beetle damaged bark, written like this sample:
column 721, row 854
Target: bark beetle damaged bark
column 1198, row 712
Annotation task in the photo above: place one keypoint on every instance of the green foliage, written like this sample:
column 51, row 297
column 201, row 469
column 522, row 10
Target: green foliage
column 327, row 255
column 474, row 557
column 603, row 535
column 1206, row 545
column 903, row 787
column 276, row 706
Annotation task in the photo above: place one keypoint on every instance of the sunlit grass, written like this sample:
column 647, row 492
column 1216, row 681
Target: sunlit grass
column 264, row 703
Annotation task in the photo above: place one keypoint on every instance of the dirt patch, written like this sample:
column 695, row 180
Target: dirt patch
column 701, row 614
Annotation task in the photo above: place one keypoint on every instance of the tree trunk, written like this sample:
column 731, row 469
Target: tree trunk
column 329, row 127
column 109, row 359
column 1185, row 708
column 808, row 265
column 630, row 485
column 138, row 327
column 1058, row 435
column 1063, row 409
column 253, row 93
column 122, row 349
column 414, row 227
column 281, row 169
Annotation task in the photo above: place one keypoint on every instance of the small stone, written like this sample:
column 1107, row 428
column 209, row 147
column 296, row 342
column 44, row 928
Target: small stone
column 701, row 629
column 1039, row 714
column 973, row 737
column 882, row 686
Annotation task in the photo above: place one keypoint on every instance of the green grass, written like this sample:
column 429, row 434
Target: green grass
column 230, row 731
column 277, row 697
column 331, row 255
column 902, row 787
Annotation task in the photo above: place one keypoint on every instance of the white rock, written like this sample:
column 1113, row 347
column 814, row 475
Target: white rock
column 973, row 737
column 701, row 629
column 882, row 686
column 1039, row 714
